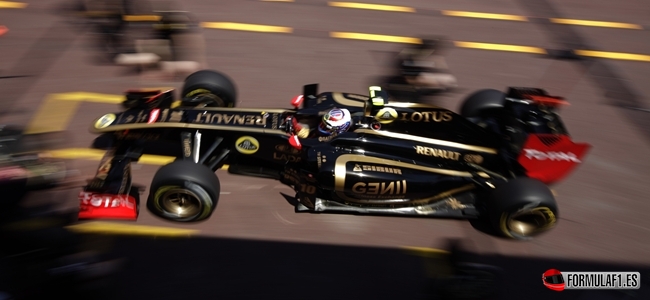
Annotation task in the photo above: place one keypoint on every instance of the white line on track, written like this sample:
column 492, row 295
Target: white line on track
column 282, row 219
column 633, row 225
column 256, row 186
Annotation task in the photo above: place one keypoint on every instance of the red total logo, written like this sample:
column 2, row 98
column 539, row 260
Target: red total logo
column 551, row 155
column 107, row 206
column 106, row 201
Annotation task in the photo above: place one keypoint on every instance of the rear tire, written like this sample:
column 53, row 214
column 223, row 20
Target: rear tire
column 522, row 208
column 481, row 103
column 208, row 88
column 184, row 191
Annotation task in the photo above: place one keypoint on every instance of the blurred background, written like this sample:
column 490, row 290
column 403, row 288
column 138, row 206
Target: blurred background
column 63, row 63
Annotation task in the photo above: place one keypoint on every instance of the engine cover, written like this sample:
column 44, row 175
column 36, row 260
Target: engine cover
column 376, row 181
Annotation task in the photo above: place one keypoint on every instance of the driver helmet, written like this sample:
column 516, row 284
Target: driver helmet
column 335, row 121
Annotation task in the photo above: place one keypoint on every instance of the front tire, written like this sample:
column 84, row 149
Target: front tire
column 184, row 191
column 522, row 208
column 208, row 88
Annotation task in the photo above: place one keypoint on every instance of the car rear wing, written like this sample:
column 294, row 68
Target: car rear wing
column 534, row 96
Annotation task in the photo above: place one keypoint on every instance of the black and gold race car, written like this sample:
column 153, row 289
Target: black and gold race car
column 494, row 159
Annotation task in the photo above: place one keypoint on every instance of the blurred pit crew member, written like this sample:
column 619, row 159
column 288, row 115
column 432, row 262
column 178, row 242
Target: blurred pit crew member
column 424, row 65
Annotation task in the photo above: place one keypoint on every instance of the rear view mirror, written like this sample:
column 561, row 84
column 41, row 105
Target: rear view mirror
column 297, row 101
column 295, row 142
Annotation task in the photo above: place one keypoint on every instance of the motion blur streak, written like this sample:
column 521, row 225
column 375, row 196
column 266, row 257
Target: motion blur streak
column 77, row 153
column 95, row 154
column 128, row 229
column 468, row 14
column 156, row 160
column 141, row 18
column 246, row 27
column 52, row 116
column 425, row 252
column 10, row 4
column 90, row 97
column 596, row 23
column 375, row 37
column 500, row 47
column 372, row 6
column 614, row 55
column 57, row 109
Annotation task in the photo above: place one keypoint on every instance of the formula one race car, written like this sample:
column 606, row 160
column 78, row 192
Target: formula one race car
column 493, row 160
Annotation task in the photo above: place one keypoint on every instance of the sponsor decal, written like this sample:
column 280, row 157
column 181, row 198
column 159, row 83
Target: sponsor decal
column 386, row 115
column 103, row 206
column 286, row 157
column 287, row 153
column 551, row 155
column 382, row 169
column 106, row 200
column 473, row 158
column 427, row 116
column 164, row 114
column 307, row 189
column 560, row 281
column 325, row 138
column 275, row 120
column 228, row 119
column 187, row 147
column 380, row 188
column 171, row 116
column 141, row 117
column 105, row 121
column 247, row 145
column 437, row 153
column 328, row 138
column 320, row 159
column 175, row 116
